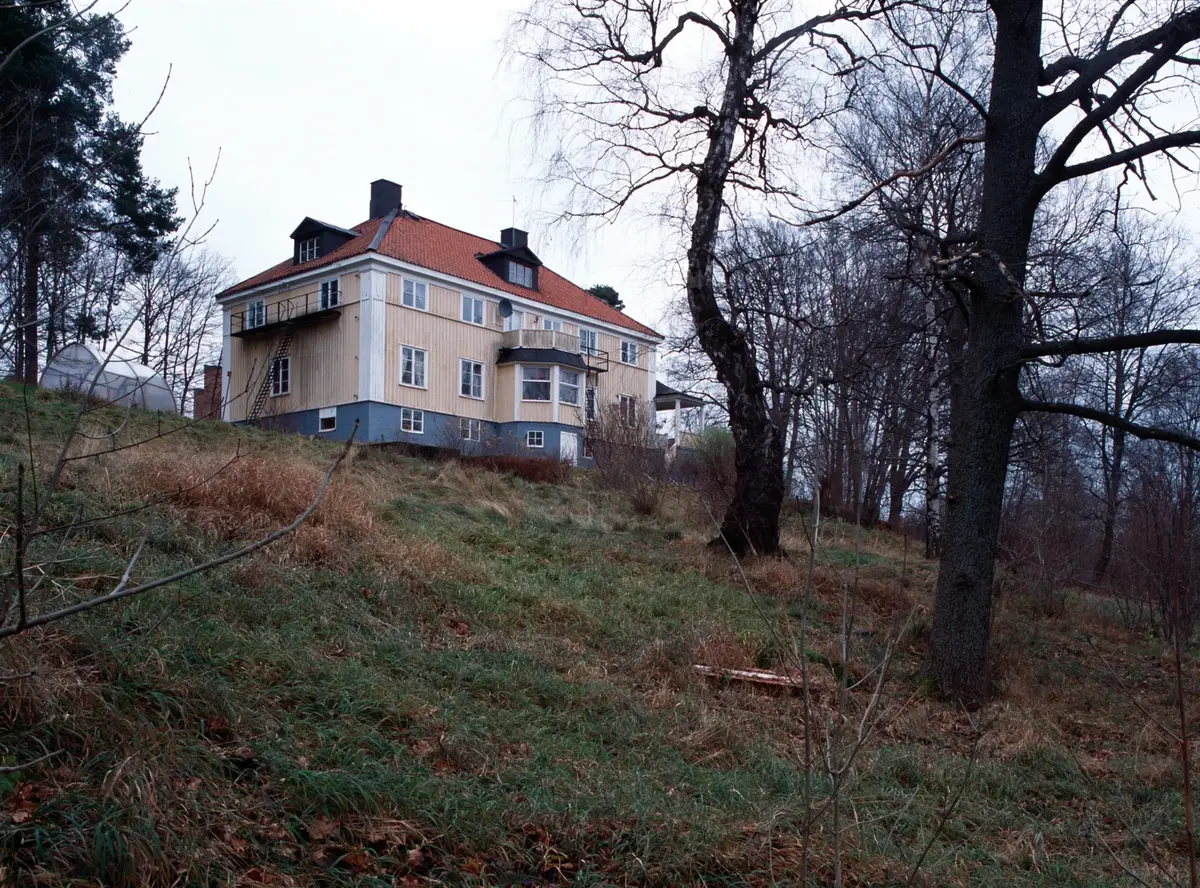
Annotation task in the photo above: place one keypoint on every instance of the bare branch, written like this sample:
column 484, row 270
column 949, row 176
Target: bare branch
column 122, row 591
column 1146, row 433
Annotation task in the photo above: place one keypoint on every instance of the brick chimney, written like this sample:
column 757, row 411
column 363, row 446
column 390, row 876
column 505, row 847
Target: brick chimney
column 385, row 197
column 206, row 402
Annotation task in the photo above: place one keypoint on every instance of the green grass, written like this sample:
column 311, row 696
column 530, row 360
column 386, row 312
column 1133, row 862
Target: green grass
column 527, row 716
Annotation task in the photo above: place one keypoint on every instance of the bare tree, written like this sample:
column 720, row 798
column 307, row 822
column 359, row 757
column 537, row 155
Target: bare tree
column 632, row 115
column 177, row 319
column 1062, row 103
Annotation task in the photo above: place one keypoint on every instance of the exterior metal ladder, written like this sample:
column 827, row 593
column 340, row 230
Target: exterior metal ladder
column 282, row 350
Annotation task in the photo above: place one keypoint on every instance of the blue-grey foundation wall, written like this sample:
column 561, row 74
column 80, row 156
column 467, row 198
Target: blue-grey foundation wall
column 380, row 423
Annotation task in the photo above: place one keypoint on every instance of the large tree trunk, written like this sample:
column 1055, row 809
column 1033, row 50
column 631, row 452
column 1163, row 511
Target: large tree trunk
column 29, row 310
column 981, row 423
column 1112, row 504
column 752, row 521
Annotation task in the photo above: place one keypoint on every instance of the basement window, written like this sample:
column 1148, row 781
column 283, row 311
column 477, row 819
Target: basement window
column 470, row 429
column 412, row 421
column 327, row 419
column 535, row 438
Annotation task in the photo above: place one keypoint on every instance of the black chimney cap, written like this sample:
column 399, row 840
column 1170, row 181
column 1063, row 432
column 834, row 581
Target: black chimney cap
column 385, row 197
column 514, row 237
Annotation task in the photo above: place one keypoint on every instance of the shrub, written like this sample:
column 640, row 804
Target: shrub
column 629, row 455
column 536, row 469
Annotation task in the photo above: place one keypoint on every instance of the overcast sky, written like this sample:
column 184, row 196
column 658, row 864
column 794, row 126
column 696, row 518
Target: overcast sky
column 308, row 101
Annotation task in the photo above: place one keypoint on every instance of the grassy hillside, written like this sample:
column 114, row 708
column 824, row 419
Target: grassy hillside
column 455, row 677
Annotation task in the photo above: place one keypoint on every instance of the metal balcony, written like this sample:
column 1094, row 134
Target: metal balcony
column 303, row 309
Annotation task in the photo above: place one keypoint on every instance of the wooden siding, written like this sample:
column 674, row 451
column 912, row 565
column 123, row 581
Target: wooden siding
column 325, row 371
column 324, row 366
column 445, row 341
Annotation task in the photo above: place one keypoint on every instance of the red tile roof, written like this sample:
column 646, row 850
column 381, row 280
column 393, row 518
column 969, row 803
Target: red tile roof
column 447, row 250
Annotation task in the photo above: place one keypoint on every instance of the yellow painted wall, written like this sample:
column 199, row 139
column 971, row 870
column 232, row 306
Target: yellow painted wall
column 325, row 359
column 445, row 341
column 324, row 366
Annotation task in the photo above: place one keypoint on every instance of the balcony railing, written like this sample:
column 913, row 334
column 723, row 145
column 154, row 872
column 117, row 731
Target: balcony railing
column 258, row 316
column 596, row 359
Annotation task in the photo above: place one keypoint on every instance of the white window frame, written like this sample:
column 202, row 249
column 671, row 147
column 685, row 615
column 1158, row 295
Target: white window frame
column 589, row 341
column 552, row 324
column 585, row 447
column 520, row 274
column 461, row 366
column 415, row 420
column 548, row 382
column 309, row 249
column 470, row 429
column 281, row 376
column 625, row 415
column 331, row 293
column 590, row 400
column 515, row 321
column 417, row 304
column 630, row 349
column 323, row 414
column 255, row 315
column 478, row 307
column 562, row 374
column 424, row 384
column 541, row 439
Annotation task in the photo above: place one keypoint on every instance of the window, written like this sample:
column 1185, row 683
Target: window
column 281, row 377
column 626, row 409
column 331, row 292
column 586, row 450
column 629, row 352
column 568, row 387
column 588, row 341
column 327, row 419
column 472, row 310
column 536, row 384
column 551, row 324
column 414, row 295
column 589, row 404
column 520, row 274
column 469, row 429
column 471, row 382
column 308, row 249
column 535, row 438
column 515, row 321
column 256, row 314
column 412, row 420
column 412, row 366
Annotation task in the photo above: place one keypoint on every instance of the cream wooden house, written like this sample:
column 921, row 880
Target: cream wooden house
column 428, row 335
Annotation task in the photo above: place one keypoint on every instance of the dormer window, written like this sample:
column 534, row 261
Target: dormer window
column 309, row 249
column 520, row 274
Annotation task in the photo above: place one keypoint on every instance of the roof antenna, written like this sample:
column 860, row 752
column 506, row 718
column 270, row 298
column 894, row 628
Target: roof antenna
column 514, row 221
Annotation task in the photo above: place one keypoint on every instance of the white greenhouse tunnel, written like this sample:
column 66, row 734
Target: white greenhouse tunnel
column 122, row 382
